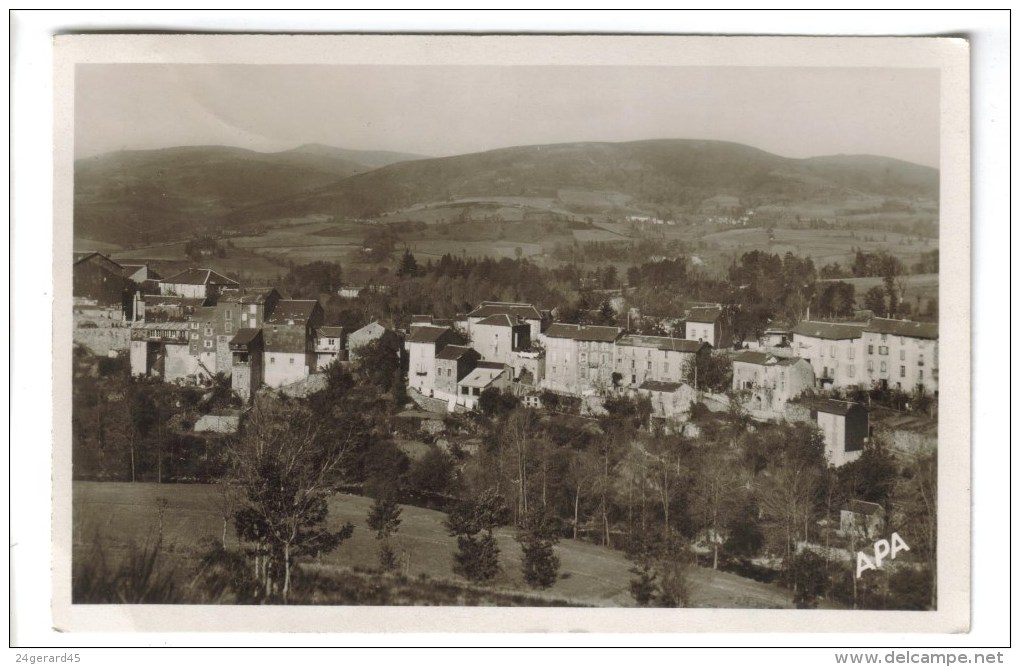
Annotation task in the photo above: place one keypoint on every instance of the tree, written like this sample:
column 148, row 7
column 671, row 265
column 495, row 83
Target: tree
column 477, row 556
column 874, row 300
column 540, row 563
column 662, row 569
column 408, row 265
column 709, row 372
column 287, row 473
column 384, row 519
column 806, row 575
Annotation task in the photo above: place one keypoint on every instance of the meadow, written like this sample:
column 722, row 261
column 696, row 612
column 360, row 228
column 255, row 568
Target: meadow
column 119, row 515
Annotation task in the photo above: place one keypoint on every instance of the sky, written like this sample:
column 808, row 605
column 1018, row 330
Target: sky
column 448, row 110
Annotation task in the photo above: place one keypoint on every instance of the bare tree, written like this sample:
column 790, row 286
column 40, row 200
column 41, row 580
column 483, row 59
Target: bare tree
column 287, row 473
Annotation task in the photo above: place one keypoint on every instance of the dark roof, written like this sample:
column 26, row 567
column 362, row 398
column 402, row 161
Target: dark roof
column 704, row 314
column 500, row 320
column 421, row 319
column 523, row 310
column 453, row 352
column 426, row 334
column 329, row 332
column 656, row 385
column 298, row 310
column 583, row 332
column 199, row 277
column 250, row 297
column 245, row 336
column 828, row 330
column 833, row 406
column 131, row 269
column 862, row 507
column 495, row 365
column 764, row 359
column 662, row 343
column 903, row 328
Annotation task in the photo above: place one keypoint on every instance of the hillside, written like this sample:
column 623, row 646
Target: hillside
column 137, row 196
column 673, row 174
column 162, row 195
column 117, row 515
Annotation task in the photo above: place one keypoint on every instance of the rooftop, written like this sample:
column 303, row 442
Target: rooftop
column 832, row 406
column 862, row 507
column 199, row 277
column 329, row 332
column 156, row 300
column 481, row 377
column 708, row 315
column 256, row 297
column 453, row 352
column 928, row 330
column 427, row 334
column 500, row 320
column 583, row 332
column 662, row 343
column 523, row 310
column 295, row 310
column 245, row 336
column 764, row 359
column 829, row 330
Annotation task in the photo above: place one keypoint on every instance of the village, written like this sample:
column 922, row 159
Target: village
column 193, row 326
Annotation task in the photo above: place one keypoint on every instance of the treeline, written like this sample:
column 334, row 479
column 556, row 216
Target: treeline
column 592, row 252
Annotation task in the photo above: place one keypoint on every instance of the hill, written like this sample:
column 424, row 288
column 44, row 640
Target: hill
column 673, row 174
column 163, row 195
column 138, row 196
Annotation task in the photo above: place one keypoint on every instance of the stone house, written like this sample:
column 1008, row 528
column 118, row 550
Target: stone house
column 834, row 351
column 579, row 358
column 525, row 312
column 862, row 520
column 659, row 358
column 247, row 350
column 422, row 345
column 289, row 335
column 486, row 375
column 768, row 382
column 453, row 364
column 902, row 354
column 499, row 337
column 705, row 324
column 845, row 427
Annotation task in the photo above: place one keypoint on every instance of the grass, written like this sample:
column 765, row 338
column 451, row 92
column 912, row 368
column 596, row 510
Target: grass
column 120, row 515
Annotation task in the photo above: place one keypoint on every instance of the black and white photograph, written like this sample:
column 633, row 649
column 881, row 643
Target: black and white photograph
column 514, row 322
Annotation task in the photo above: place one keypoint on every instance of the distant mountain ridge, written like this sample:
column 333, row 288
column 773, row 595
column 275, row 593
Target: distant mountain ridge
column 164, row 193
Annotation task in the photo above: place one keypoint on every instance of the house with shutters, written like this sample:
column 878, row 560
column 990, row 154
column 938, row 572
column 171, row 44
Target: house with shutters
column 499, row 337
column 423, row 344
column 834, row 351
column 289, row 335
column 767, row 382
column 660, row 358
column 330, row 346
column 518, row 312
column 579, row 358
column 902, row 354
column 705, row 324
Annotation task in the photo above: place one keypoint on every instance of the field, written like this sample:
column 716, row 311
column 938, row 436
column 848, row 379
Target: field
column 922, row 286
column 119, row 514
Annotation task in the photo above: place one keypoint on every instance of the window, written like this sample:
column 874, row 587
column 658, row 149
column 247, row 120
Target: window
column 850, row 370
column 649, row 365
column 251, row 309
column 883, row 368
column 883, row 351
column 832, row 351
column 194, row 325
column 665, row 368
column 871, row 349
column 632, row 364
column 228, row 315
column 194, row 336
column 272, row 359
column 244, row 317
column 871, row 366
column 208, row 331
column 883, row 338
column 291, row 361
column 920, row 375
column 903, row 371
column 208, row 344
column 228, row 327
column 850, row 352
column 903, row 355
column 476, row 391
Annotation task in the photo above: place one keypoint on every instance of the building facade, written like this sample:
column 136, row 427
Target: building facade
column 834, row 350
column 768, row 382
column 658, row 358
column 902, row 354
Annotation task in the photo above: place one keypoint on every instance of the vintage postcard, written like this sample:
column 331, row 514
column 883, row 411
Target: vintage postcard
column 377, row 333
